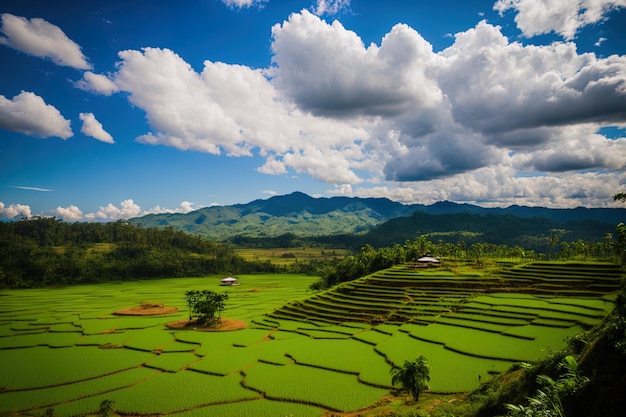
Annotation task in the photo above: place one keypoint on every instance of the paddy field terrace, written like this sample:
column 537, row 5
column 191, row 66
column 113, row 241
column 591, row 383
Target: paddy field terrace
column 303, row 353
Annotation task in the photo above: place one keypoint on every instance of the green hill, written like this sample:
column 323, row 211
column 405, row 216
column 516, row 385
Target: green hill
column 353, row 222
column 295, row 213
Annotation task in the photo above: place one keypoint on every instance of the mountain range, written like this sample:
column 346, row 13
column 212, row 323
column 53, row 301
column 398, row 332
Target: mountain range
column 306, row 216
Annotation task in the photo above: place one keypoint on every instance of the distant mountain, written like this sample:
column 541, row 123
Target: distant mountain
column 295, row 213
column 306, row 216
column 507, row 229
column 607, row 215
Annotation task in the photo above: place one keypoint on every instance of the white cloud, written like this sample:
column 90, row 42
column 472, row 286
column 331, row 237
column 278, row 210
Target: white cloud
column 458, row 124
column 330, row 7
column 327, row 69
column 97, row 83
column 42, row 39
column 232, row 108
column 499, row 186
column 575, row 148
column 126, row 210
column 565, row 17
column 272, row 167
column 240, row 4
column 92, row 127
column 28, row 113
column 21, row 187
column 497, row 88
column 71, row 213
column 14, row 210
column 600, row 41
column 185, row 207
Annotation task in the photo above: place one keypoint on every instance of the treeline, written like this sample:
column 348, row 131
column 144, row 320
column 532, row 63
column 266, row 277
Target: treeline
column 370, row 260
column 47, row 251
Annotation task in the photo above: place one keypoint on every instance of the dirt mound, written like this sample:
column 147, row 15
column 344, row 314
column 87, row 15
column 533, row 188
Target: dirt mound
column 143, row 310
column 224, row 325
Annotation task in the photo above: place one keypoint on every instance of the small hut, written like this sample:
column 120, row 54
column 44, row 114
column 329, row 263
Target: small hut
column 230, row 281
column 426, row 261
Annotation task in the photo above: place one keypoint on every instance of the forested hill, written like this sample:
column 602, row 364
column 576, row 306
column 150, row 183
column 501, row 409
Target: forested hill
column 305, row 216
column 529, row 233
column 41, row 252
column 295, row 213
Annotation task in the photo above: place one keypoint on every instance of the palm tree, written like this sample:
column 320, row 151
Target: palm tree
column 413, row 376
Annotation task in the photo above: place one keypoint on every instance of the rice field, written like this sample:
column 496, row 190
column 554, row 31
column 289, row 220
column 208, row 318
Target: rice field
column 302, row 354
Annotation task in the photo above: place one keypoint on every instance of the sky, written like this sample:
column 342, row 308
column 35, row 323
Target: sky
column 116, row 109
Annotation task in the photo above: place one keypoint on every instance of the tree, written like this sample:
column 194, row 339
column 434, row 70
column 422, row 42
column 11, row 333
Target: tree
column 106, row 408
column 413, row 376
column 620, row 197
column 204, row 305
column 620, row 244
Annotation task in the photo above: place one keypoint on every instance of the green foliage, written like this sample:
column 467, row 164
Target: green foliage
column 414, row 376
column 205, row 305
column 106, row 408
column 620, row 244
column 547, row 401
column 43, row 252
column 619, row 197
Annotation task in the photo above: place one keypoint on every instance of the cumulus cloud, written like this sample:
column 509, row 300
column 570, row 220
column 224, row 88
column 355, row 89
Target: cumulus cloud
column 327, row 69
column 499, row 87
column 126, row 210
column 565, row 17
column 185, row 207
column 14, row 210
column 467, row 118
column 42, row 39
column 231, row 108
column 330, row 7
column 29, row 114
column 92, row 127
column 71, row 213
column 240, row 4
column 273, row 167
column 500, row 186
column 97, row 83
column 575, row 148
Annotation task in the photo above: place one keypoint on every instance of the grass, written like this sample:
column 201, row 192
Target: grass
column 172, row 362
column 313, row 386
column 304, row 351
column 53, row 396
column 255, row 408
column 289, row 256
column 172, row 392
column 40, row 367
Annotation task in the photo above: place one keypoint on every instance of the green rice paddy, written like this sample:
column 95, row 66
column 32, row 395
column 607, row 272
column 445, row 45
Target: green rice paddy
column 302, row 354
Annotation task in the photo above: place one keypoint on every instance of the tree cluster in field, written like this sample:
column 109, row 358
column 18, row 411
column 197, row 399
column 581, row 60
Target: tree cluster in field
column 47, row 251
column 205, row 307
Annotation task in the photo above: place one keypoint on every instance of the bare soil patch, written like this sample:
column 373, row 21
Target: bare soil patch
column 146, row 309
column 224, row 325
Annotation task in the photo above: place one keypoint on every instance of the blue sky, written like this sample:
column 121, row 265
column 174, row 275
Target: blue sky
column 115, row 109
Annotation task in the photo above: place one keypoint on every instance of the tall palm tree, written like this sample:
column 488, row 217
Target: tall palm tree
column 413, row 376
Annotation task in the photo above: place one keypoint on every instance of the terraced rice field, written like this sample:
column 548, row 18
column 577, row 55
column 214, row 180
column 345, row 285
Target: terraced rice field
column 302, row 354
